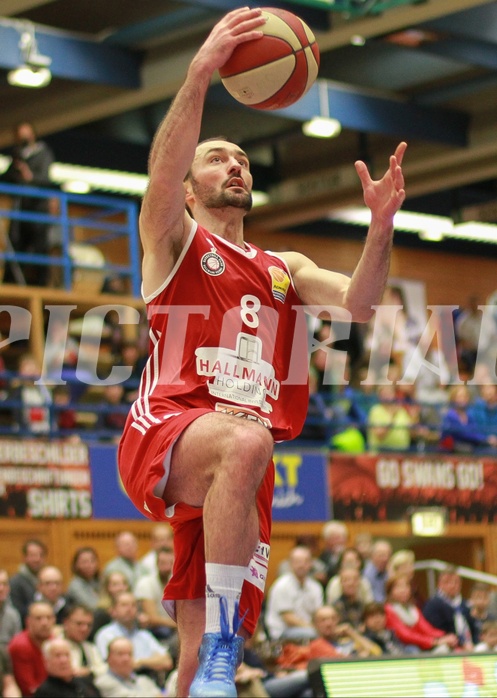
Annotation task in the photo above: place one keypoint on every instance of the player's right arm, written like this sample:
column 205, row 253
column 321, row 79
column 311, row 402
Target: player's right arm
column 164, row 221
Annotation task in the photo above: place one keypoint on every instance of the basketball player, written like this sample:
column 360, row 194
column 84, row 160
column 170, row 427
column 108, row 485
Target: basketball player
column 227, row 374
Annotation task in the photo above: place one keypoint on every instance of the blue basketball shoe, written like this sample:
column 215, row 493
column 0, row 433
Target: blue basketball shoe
column 219, row 657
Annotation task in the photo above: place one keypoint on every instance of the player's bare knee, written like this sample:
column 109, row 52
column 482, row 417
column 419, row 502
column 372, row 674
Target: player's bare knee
column 251, row 447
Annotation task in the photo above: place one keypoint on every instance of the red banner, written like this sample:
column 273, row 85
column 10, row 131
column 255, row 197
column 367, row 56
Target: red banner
column 383, row 487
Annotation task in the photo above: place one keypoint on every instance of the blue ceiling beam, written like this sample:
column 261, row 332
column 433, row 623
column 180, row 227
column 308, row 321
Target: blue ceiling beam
column 159, row 26
column 74, row 58
column 316, row 18
column 478, row 23
column 200, row 11
column 467, row 51
column 371, row 114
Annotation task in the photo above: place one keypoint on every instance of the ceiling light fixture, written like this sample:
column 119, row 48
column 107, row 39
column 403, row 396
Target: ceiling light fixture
column 427, row 227
column 322, row 126
column 35, row 71
column 79, row 179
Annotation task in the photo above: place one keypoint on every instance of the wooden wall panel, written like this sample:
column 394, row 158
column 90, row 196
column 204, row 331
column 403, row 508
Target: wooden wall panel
column 471, row 545
column 449, row 278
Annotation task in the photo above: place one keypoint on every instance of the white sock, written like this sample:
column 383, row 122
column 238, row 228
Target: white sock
column 221, row 580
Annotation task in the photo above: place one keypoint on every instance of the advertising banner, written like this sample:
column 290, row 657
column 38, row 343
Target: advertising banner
column 384, row 487
column 44, row 480
column 110, row 500
column 301, row 491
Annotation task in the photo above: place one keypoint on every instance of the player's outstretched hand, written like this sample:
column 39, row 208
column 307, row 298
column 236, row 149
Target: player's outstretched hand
column 384, row 196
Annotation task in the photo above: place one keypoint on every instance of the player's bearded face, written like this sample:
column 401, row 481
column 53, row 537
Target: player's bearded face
column 214, row 197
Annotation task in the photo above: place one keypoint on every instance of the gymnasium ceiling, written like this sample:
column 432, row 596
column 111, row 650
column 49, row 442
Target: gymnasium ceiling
column 427, row 74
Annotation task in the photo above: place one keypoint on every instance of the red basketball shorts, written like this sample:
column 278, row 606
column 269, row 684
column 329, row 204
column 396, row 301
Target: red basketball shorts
column 144, row 461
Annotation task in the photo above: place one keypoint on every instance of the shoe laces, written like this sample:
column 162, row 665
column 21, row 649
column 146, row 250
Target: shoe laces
column 223, row 658
column 226, row 634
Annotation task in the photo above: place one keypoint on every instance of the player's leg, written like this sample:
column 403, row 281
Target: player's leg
column 190, row 616
column 218, row 463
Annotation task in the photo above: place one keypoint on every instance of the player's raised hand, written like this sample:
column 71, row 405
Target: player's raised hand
column 384, row 196
column 236, row 27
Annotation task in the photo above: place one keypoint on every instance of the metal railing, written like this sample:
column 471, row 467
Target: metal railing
column 434, row 566
column 105, row 219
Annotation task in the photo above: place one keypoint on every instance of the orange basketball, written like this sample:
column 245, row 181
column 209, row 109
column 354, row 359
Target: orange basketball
column 276, row 70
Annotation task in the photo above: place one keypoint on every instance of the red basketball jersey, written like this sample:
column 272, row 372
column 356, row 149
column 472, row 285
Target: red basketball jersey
column 227, row 332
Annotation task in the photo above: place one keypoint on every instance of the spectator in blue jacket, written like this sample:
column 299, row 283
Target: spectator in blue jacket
column 448, row 611
column 460, row 430
column 484, row 409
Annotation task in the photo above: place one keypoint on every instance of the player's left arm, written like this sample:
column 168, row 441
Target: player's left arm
column 364, row 289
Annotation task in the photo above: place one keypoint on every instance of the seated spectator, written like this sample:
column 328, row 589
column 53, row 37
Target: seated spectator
column 61, row 681
column 350, row 557
column 488, row 637
column 126, row 560
column 25, row 648
column 448, row 611
column 149, row 655
column 401, row 562
column 161, row 536
column 336, row 639
column 293, row 598
column 113, row 584
column 316, row 426
column 149, row 592
column 350, row 606
column 335, row 535
column 84, row 587
column 479, row 604
column 130, row 356
column 64, row 417
column 33, row 415
column 375, row 629
column 120, row 679
column 409, row 624
column 483, row 411
column 461, row 433
column 429, row 384
column 280, row 683
column 318, row 568
column 23, row 584
column 114, row 417
column 389, row 423
column 363, row 543
column 8, row 685
column 85, row 658
column 375, row 569
column 50, row 589
column 10, row 620
column 248, row 682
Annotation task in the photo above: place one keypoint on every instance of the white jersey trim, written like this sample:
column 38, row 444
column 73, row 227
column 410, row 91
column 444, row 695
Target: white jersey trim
column 248, row 251
column 173, row 271
column 140, row 409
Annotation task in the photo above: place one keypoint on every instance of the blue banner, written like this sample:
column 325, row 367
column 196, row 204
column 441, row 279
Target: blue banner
column 110, row 500
column 301, row 491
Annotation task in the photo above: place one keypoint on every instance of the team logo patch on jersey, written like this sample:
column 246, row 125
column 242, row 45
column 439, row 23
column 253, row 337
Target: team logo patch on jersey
column 212, row 263
column 280, row 283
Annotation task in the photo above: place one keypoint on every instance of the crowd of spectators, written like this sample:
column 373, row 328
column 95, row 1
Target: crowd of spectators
column 391, row 386
column 370, row 606
column 398, row 405
column 104, row 632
